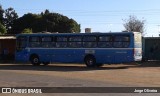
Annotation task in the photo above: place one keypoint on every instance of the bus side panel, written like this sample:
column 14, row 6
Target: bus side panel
column 68, row 55
column 59, row 55
column 122, row 56
column 22, row 56
column 109, row 56
column 104, row 56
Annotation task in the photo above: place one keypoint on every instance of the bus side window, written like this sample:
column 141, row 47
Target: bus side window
column 75, row 42
column 34, row 42
column 61, row 42
column 47, row 42
column 89, row 41
column 126, row 41
column 105, row 42
column 121, row 41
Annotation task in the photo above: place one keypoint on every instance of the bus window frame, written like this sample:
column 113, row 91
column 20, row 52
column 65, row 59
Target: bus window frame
column 107, row 41
column 18, row 47
column 39, row 41
column 48, row 43
column 89, row 41
column 73, row 43
column 60, row 43
column 121, row 41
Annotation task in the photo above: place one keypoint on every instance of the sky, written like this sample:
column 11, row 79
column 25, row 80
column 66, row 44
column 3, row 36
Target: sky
column 99, row 15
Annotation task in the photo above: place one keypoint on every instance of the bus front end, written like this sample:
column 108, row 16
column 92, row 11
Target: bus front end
column 21, row 54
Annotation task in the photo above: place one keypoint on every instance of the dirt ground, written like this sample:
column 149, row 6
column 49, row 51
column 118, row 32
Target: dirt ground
column 138, row 74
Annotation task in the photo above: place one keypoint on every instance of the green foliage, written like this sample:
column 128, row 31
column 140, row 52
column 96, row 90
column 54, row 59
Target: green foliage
column 1, row 14
column 10, row 16
column 27, row 30
column 7, row 17
column 2, row 29
column 46, row 21
column 26, row 21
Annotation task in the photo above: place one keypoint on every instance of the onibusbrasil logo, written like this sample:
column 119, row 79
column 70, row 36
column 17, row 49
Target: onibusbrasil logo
column 21, row 90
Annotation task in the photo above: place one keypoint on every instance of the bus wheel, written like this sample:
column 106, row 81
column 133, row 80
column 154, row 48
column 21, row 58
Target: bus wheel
column 99, row 64
column 45, row 63
column 35, row 60
column 90, row 61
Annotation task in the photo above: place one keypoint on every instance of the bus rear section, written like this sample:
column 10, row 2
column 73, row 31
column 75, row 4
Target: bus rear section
column 137, row 46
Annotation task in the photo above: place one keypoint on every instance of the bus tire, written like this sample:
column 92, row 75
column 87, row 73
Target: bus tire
column 45, row 63
column 90, row 61
column 35, row 60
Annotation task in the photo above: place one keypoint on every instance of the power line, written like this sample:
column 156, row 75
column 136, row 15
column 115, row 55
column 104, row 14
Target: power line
column 94, row 10
column 98, row 13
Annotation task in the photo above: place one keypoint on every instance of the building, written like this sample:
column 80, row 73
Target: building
column 151, row 48
column 7, row 47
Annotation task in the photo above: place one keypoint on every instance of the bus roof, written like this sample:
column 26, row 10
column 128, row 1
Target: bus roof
column 68, row 34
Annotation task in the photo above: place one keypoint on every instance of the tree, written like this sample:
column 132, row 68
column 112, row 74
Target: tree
column 73, row 26
column 134, row 24
column 51, row 22
column 9, row 16
column 26, row 21
column 27, row 30
column 2, row 29
column 1, row 15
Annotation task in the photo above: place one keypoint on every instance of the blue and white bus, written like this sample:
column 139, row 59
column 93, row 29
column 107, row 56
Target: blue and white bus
column 93, row 49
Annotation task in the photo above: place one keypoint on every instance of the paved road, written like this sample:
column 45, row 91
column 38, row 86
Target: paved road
column 75, row 76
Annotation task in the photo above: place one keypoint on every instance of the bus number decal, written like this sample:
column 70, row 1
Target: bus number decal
column 90, row 51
